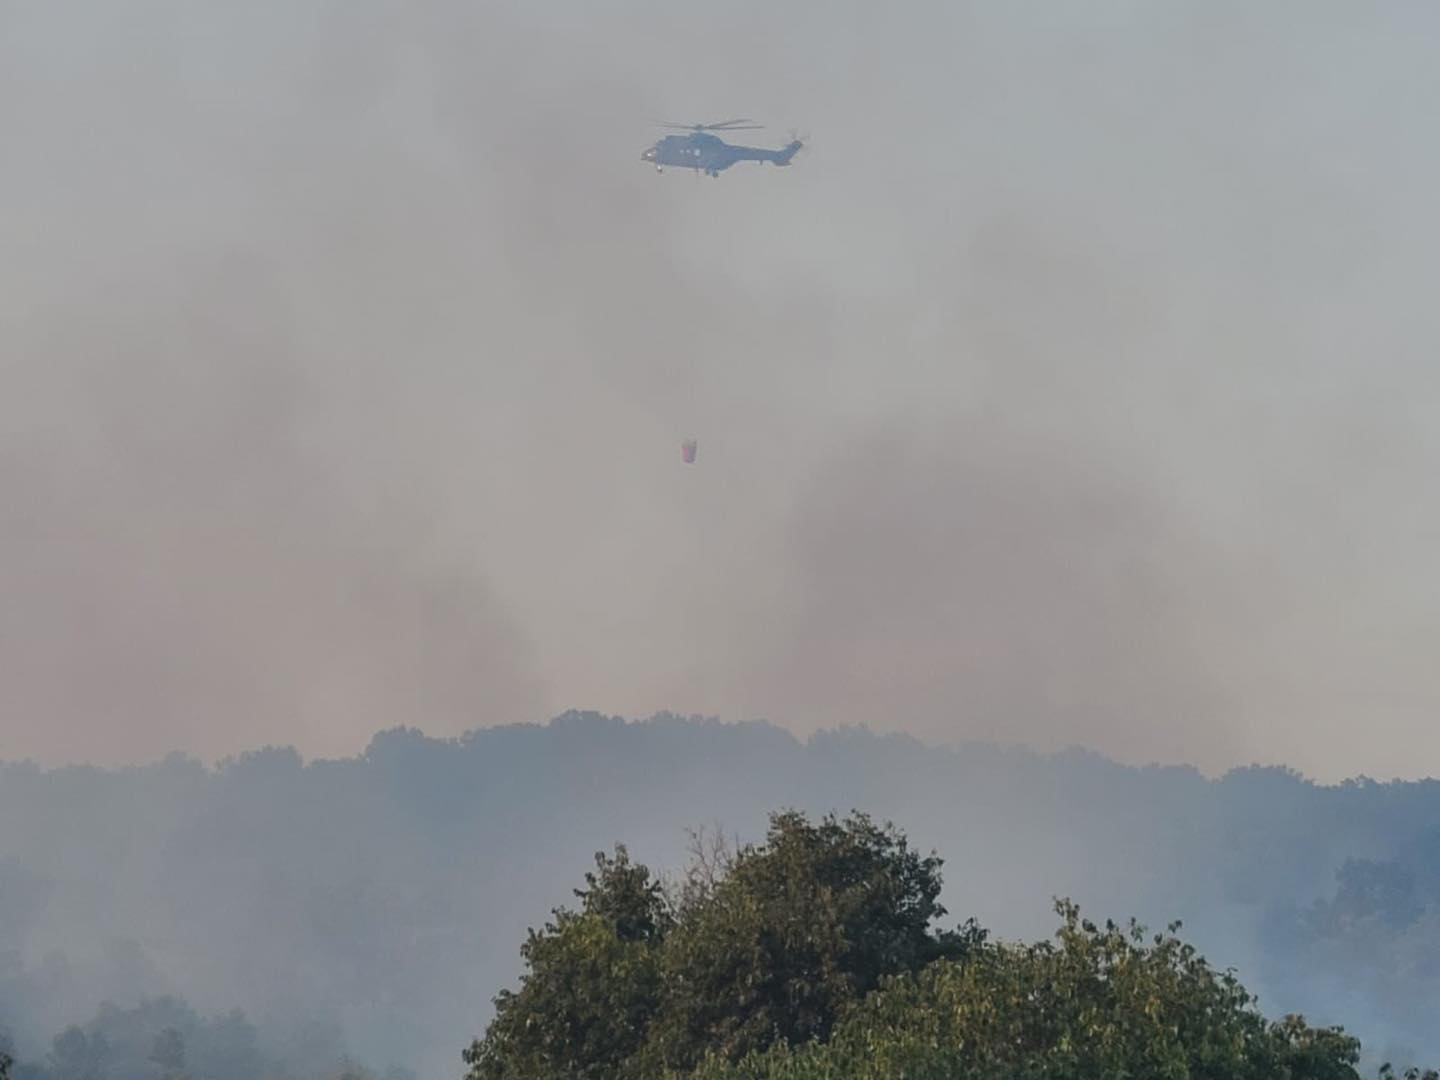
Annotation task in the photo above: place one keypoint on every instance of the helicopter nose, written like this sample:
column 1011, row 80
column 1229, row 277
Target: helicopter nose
column 648, row 155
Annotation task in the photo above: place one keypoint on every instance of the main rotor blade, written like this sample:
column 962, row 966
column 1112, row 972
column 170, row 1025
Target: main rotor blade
column 728, row 125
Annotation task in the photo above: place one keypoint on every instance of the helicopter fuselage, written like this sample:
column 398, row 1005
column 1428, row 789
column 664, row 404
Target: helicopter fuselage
column 711, row 155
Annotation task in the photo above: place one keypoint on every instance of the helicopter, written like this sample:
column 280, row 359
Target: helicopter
column 711, row 154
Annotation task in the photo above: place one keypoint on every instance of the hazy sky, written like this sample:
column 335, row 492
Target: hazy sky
column 1077, row 385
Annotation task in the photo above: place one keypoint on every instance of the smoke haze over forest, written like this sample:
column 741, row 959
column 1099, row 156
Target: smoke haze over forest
column 375, row 905
column 1073, row 388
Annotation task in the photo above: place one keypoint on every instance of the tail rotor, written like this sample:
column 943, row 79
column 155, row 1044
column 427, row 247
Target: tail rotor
column 797, row 143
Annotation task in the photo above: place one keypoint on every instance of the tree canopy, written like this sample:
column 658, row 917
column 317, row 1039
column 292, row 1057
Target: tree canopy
column 1096, row 1002
column 772, row 943
column 817, row 954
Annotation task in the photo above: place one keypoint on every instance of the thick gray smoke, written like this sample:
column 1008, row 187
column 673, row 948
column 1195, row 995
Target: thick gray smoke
column 1075, row 388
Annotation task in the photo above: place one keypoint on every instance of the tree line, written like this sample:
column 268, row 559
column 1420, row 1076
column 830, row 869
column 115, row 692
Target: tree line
column 382, row 896
column 165, row 1039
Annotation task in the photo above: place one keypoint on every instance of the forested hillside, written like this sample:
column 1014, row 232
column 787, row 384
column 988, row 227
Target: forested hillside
column 372, row 906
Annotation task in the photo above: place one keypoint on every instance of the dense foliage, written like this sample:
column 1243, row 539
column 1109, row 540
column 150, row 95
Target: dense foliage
column 1097, row 1002
column 813, row 956
column 772, row 945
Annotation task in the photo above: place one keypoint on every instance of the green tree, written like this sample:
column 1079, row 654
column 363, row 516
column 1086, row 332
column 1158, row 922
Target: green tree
column 591, row 986
column 773, row 941
column 1098, row 1002
column 812, row 956
column 796, row 931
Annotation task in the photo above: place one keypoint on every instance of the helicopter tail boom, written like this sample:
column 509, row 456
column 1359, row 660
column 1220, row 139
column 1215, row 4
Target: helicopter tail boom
column 783, row 157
